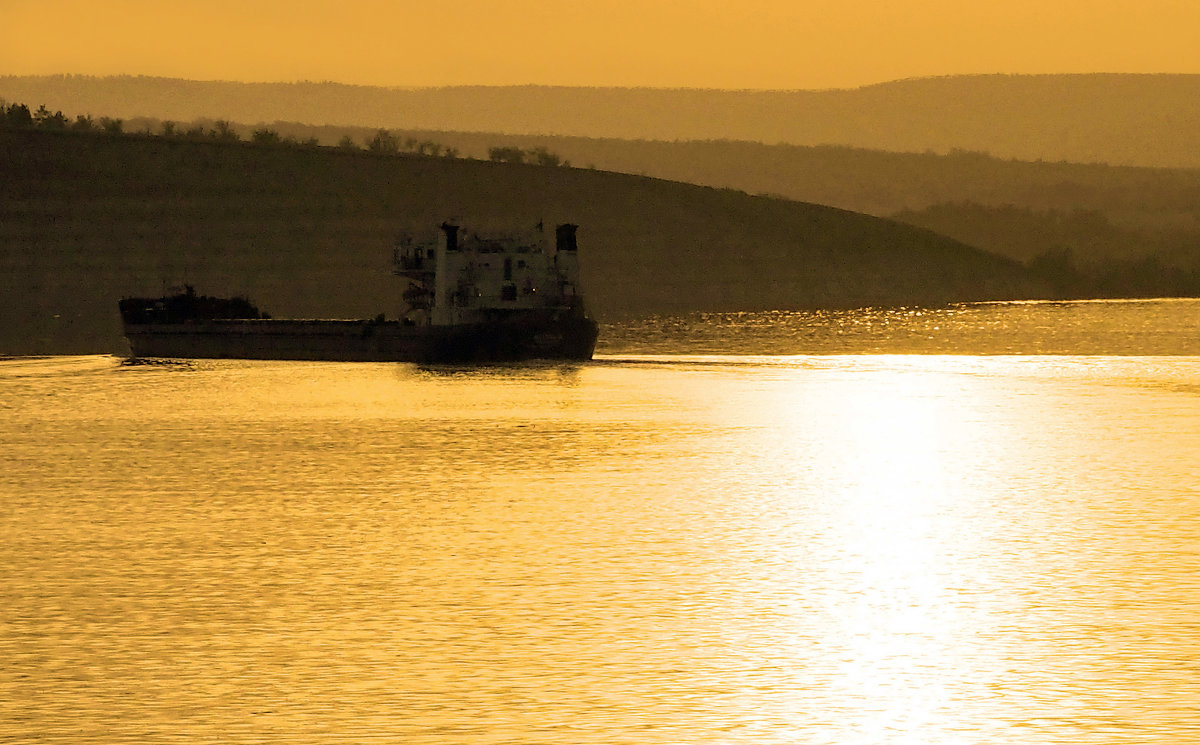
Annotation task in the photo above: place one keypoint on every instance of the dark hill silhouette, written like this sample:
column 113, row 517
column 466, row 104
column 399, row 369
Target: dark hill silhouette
column 1150, row 212
column 88, row 218
column 1116, row 215
column 1150, row 120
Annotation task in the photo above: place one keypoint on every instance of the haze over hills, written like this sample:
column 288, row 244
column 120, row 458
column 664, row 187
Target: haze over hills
column 1146, row 120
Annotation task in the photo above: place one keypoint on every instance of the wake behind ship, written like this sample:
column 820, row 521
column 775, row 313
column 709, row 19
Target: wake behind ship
column 469, row 298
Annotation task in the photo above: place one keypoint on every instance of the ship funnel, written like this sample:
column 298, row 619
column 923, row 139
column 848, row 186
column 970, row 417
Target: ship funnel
column 444, row 274
column 451, row 232
column 564, row 237
column 566, row 262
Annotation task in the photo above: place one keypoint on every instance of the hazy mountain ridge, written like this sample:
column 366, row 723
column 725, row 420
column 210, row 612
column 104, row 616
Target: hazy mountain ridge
column 1019, row 209
column 1149, row 211
column 1148, row 120
column 88, row 218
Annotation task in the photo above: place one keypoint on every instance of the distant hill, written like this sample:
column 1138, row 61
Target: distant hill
column 1075, row 249
column 1105, row 214
column 871, row 181
column 1147, row 120
column 88, row 218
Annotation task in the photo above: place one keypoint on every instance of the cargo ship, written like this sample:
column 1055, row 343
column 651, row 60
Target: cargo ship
column 470, row 298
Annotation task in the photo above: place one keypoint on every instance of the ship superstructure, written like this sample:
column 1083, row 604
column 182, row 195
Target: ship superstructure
column 462, row 277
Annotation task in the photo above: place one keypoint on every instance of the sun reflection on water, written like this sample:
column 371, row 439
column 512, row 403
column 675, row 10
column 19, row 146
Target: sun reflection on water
column 880, row 574
column 942, row 549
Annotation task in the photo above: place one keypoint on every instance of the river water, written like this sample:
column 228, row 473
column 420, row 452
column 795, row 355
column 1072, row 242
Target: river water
column 973, row 525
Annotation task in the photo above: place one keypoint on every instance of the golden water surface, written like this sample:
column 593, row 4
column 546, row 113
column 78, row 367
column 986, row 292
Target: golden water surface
column 649, row 548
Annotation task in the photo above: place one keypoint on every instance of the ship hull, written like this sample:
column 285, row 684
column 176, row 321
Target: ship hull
column 569, row 338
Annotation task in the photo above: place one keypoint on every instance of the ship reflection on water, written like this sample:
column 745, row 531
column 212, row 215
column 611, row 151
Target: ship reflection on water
column 646, row 548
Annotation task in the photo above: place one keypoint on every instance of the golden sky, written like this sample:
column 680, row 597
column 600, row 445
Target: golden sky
column 661, row 43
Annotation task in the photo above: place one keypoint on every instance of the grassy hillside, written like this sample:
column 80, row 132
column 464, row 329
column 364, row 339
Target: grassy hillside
column 1130, row 214
column 88, row 218
column 1147, row 120
column 870, row 181
column 1114, row 218
column 1146, row 207
column 1120, row 215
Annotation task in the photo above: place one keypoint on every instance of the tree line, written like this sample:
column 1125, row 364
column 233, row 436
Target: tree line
column 541, row 156
column 18, row 116
column 382, row 142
